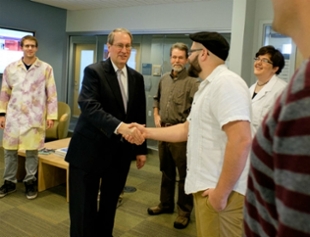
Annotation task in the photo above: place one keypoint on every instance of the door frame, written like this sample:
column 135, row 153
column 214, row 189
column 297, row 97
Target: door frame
column 73, row 42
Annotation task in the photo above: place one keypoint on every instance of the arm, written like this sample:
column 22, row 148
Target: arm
column 236, row 153
column 97, row 101
column 6, row 91
column 157, row 119
column 51, row 97
column 5, row 96
column 176, row 133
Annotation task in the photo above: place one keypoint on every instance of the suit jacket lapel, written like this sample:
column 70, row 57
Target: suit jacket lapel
column 131, row 89
column 113, row 82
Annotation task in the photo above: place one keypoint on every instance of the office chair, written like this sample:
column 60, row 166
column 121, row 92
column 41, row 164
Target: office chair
column 61, row 125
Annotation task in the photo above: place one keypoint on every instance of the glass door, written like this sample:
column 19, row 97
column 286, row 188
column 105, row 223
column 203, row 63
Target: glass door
column 84, row 56
column 82, row 52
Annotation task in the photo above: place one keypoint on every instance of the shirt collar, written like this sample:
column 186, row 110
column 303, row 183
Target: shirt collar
column 182, row 74
column 124, row 71
column 35, row 63
column 215, row 72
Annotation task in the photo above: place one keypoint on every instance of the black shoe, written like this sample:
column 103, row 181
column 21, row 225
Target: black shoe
column 7, row 188
column 31, row 189
column 158, row 210
column 181, row 222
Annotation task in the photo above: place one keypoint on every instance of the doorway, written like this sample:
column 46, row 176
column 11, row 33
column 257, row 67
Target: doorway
column 84, row 56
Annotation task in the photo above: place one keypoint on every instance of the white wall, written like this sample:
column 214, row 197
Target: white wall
column 246, row 36
column 172, row 18
column 264, row 14
column 242, row 38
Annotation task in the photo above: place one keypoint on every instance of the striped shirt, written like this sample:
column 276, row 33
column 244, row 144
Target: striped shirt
column 278, row 195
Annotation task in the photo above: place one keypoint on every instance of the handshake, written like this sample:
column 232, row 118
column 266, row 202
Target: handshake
column 134, row 133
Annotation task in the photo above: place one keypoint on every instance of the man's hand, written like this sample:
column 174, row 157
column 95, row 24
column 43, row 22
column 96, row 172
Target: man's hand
column 140, row 161
column 2, row 122
column 216, row 200
column 49, row 123
column 131, row 133
column 140, row 128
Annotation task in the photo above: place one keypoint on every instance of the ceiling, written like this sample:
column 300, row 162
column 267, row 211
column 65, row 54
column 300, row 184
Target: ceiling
column 75, row 5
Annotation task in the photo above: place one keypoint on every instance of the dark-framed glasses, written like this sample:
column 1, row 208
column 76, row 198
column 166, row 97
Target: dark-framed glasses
column 263, row 60
column 121, row 46
column 192, row 51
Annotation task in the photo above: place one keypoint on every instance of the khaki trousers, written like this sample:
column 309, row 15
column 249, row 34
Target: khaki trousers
column 226, row 223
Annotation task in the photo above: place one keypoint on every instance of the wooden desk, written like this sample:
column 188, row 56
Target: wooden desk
column 53, row 169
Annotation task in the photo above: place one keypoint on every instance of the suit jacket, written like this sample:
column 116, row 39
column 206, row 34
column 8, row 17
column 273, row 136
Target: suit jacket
column 102, row 110
column 265, row 99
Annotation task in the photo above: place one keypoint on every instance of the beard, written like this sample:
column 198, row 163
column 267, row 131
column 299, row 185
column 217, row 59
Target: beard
column 194, row 69
column 177, row 67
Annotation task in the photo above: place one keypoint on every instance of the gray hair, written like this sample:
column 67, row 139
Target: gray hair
column 180, row 46
column 112, row 34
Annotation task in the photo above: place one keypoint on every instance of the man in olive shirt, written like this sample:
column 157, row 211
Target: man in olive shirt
column 172, row 105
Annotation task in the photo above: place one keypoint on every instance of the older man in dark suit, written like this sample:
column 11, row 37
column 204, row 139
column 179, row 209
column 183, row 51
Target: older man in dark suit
column 112, row 97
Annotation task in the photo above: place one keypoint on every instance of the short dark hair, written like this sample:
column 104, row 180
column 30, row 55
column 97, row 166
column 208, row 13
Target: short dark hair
column 276, row 56
column 180, row 46
column 28, row 37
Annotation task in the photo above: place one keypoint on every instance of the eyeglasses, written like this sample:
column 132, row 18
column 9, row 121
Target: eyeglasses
column 264, row 60
column 192, row 51
column 30, row 46
column 121, row 46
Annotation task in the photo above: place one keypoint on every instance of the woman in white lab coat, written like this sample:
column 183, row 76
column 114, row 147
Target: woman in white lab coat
column 268, row 63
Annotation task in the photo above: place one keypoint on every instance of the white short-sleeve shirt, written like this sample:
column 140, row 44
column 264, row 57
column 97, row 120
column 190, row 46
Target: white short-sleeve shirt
column 222, row 97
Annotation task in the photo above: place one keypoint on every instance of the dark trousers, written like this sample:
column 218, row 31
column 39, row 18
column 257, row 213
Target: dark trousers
column 173, row 156
column 86, row 219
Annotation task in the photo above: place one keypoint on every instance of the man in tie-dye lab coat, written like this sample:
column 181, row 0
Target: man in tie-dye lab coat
column 28, row 106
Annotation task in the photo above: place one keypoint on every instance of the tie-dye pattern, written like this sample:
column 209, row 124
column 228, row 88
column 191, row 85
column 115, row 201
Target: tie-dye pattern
column 29, row 98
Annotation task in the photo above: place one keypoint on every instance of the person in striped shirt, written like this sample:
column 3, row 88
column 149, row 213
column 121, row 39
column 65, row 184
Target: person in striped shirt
column 278, row 190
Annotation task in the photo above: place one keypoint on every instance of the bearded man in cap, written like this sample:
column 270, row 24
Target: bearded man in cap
column 218, row 135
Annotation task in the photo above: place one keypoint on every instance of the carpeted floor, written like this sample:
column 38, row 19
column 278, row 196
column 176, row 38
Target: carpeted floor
column 47, row 215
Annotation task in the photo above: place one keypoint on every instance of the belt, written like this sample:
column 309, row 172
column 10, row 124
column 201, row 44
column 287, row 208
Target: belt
column 166, row 124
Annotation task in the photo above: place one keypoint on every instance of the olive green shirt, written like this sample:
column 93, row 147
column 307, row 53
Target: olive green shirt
column 175, row 96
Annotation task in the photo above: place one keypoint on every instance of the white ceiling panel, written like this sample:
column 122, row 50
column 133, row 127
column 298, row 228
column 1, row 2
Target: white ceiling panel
column 75, row 5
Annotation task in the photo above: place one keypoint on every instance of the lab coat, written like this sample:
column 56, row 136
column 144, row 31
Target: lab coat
column 265, row 99
column 29, row 98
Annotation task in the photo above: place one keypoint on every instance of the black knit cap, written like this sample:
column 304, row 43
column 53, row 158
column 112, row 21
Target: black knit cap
column 213, row 41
